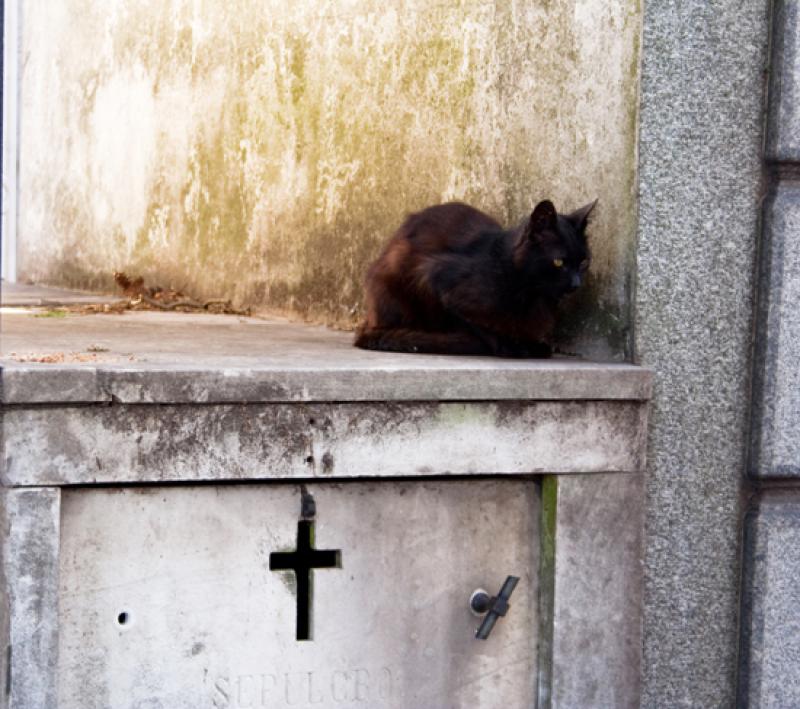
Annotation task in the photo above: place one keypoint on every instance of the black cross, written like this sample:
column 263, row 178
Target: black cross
column 302, row 561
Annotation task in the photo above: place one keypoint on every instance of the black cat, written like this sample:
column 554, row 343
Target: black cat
column 453, row 281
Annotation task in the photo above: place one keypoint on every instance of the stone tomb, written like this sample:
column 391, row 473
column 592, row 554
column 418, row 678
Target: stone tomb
column 305, row 526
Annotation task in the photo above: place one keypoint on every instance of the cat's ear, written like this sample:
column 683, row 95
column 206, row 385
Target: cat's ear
column 580, row 217
column 543, row 218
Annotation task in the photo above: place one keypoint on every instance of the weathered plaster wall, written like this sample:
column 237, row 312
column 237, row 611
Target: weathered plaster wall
column 263, row 150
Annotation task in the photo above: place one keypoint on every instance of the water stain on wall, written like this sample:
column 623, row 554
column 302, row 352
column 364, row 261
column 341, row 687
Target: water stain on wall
column 263, row 151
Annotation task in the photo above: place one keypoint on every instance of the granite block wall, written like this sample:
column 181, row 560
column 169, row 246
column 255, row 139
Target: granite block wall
column 770, row 629
column 769, row 675
column 783, row 135
column 776, row 401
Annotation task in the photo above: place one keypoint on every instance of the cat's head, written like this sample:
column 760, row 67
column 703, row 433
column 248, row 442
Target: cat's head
column 558, row 254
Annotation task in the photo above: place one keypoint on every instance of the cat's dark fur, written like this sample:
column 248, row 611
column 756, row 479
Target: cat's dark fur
column 452, row 281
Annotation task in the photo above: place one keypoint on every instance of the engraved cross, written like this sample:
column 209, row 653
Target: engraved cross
column 303, row 561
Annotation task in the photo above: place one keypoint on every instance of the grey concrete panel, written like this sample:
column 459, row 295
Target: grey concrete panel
column 700, row 177
column 208, row 624
column 217, row 442
column 597, row 630
column 769, row 675
column 180, row 357
column 776, row 391
column 783, row 135
column 30, row 556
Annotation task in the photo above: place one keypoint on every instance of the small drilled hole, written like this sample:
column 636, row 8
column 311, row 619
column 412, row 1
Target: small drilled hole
column 123, row 618
column 311, row 422
column 310, row 459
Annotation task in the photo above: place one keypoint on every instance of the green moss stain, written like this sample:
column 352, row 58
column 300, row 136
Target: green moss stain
column 589, row 315
column 454, row 415
column 549, row 509
column 547, row 560
column 288, row 579
column 215, row 218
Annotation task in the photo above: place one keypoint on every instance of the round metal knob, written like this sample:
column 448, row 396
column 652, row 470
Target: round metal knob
column 479, row 602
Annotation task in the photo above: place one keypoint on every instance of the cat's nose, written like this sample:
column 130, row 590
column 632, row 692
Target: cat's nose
column 575, row 282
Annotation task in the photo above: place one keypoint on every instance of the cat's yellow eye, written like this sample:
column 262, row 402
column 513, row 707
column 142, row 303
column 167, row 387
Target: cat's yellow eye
column 558, row 263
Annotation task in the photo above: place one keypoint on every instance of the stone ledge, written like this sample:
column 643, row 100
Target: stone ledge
column 449, row 379
column 146, row 357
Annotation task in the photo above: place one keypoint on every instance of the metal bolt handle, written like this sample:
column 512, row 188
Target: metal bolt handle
column 495, row 606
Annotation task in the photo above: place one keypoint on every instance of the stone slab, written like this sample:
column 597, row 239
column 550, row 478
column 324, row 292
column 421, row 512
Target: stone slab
column 146, row 357
column 783, row 134
column 138, row 443
column 30, row 555
column 771, row 604
column 597, row 608
column 208, row 624
column 776, row 391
